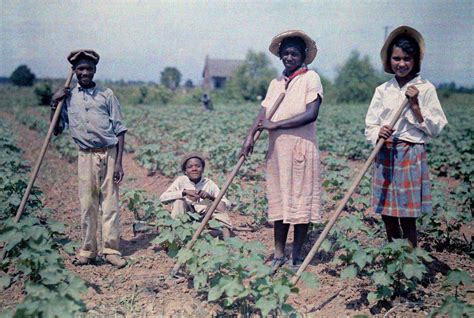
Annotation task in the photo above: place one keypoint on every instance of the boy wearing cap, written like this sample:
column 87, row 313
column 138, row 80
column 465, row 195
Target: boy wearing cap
column 95, row 122
column 188, row 192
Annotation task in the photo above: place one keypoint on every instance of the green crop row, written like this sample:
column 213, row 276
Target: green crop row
column 231, row 273
column 32, row 245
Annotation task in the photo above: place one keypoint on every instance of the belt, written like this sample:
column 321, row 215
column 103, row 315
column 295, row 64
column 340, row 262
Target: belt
column 98, row 149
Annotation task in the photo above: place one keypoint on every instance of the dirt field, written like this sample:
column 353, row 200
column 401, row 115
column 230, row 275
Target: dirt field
column 140, row 288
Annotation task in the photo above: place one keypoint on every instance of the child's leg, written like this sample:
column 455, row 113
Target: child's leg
column 392, row 226
column 280, row 233
column 180, row 207
column 299, row 237
column 409, row 230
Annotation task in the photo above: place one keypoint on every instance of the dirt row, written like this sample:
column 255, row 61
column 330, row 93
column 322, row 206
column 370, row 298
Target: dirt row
column 139, row 288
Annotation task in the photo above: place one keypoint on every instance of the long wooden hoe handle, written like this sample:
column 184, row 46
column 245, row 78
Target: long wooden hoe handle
column 346, row 198
column 228, row 182
column 26, row 195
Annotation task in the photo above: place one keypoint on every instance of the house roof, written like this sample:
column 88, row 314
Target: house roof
column 221, row 67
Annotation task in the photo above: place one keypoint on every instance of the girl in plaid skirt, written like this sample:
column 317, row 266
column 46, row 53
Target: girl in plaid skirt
column 401, row 188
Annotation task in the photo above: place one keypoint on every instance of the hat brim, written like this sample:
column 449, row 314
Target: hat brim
column 191, row 155
column 402, row 30
column 311, row 49
column 77, row 55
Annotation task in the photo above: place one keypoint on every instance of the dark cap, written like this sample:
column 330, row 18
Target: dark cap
column 77, row 55
column 191, row 155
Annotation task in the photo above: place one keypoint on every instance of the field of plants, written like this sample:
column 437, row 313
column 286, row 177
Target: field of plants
column 356, row 273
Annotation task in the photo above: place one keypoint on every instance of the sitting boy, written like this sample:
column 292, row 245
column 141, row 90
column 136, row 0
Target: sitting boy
column 189, row 193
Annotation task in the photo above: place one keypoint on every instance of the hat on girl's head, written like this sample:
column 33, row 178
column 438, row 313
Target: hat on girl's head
column 191, row 155
column 311, row 49
column 402, row 30
column 77, row 55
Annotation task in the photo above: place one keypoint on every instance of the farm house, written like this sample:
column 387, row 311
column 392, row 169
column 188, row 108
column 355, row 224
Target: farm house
column 217, row 71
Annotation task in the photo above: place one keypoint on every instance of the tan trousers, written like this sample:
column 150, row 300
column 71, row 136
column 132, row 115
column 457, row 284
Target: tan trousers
column 97, row 191
column 182, row 206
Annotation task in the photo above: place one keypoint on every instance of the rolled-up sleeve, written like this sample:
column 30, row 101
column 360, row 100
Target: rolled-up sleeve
column 270, row 98
column 174, row 192
column 372, row 119
column 214, row 191
column 63, row 118
column 314, row 87
column 116, row 115
column 434, row 118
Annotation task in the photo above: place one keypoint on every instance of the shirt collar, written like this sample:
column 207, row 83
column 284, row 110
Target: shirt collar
column 203, row 179
column 416, row 80
column 89, row 91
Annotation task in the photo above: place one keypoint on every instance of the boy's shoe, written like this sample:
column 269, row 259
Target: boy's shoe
column 277, row 263
column 116, row 260
column 82, row 260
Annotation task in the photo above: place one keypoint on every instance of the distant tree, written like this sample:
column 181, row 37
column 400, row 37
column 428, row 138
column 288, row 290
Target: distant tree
column 44, row 92
column 22, row 76
column 250, row 80
column 356, row 80
column 170, row 78
column 189, row 84
column 328, row 88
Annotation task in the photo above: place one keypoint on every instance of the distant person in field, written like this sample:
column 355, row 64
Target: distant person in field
column 93, row 116
column 401, row 188
column 192, row 192
column 206, row 102
column 293, row 164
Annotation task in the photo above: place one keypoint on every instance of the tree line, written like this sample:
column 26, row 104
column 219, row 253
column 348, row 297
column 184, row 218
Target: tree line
column 355, row 82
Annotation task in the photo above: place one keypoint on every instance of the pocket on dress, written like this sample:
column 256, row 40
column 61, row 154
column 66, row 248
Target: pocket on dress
column 299, row 152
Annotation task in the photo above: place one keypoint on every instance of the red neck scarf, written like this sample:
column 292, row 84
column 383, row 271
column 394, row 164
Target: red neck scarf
column 288, row 79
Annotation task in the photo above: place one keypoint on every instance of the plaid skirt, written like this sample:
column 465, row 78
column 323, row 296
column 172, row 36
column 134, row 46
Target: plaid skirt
column 401, row 184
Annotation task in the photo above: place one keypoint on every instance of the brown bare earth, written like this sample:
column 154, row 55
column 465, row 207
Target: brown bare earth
column 140, row 289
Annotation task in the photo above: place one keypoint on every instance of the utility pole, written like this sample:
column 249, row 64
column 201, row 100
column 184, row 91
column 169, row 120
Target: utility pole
column 386, row 31
column 386, row 28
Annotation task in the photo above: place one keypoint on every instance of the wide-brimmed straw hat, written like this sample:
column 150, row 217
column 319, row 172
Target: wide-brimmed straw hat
column 401, row 30
column 76, row 55
column 311, row 49
column 190, row 155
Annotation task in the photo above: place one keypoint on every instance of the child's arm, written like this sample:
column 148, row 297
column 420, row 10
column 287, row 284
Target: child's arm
column 174, row 192
column 426, row 108
column 373, row 126
column 213, row 192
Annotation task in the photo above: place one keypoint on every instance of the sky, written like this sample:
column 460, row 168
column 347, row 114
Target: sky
column 138, row 39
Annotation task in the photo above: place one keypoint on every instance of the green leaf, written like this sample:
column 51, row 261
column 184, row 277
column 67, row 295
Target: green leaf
column 310, row 280
column 382, row 278
column 413, row 270
column 349, row 272
column 458, row 277
column 71, row 247
column 361, row 258
column 326, row 246
column 200, row 281
column 372, row 297
column 184, row 255
column 214, row 293
column 266, row 304
column 4, row 280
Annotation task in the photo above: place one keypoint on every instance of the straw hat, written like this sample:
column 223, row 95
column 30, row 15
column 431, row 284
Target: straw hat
column 76, row 55
column 401, row 30
column 190, row 155
column 311, row 49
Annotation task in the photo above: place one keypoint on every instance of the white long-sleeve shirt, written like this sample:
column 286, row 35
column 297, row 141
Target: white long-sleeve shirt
column 387, row 99
column 175, row 190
